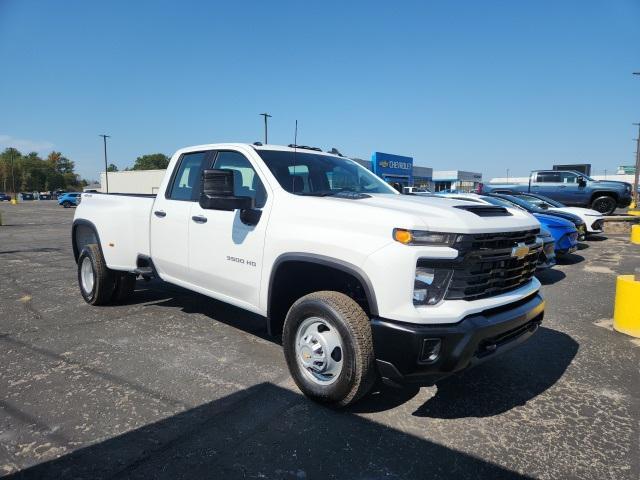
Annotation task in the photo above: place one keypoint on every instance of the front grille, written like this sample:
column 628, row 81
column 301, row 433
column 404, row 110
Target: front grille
column 486, row 266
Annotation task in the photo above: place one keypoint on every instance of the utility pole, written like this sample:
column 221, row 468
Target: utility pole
column 13, row 179
column 507, row 175
column 634, row 194
column 106, row 168
column 266, row 116
column 637, row 172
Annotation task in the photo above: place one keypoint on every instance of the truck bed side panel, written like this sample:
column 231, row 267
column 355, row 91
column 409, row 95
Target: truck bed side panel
column 122, row 223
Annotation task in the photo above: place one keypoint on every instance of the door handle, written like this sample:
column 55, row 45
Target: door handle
column 199, row 219
column 160, row 213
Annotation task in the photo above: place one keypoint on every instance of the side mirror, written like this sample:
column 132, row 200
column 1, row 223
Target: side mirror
column 217, row 192
column 582, row 182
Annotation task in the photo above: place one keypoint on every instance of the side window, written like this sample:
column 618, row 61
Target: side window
column 548, row 177
column 246, row 181
column 187, row 178
column 568, row 177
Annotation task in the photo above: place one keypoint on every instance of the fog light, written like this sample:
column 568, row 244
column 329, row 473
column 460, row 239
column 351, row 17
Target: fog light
column 430, row 350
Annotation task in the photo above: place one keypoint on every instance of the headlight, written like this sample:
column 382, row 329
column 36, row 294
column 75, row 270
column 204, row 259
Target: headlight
column 422, row 237
column 430, row 285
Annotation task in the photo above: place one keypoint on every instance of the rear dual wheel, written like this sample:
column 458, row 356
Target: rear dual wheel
column 100, row 285
column 329, row 348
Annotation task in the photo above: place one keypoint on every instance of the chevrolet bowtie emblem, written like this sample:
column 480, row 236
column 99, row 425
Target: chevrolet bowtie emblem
column 520, row 251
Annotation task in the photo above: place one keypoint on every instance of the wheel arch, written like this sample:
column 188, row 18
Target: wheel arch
column 603, row 193
column 291, row 266
column 84, row 232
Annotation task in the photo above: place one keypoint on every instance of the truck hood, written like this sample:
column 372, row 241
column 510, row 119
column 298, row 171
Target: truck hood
column 613, row 184
column 440, row 214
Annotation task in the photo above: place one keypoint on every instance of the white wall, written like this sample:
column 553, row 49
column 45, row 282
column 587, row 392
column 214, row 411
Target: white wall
column 133, row 181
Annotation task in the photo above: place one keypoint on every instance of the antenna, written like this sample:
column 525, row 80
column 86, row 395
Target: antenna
column 295, row 147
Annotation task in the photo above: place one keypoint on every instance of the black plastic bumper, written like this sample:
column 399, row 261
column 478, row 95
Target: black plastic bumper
column 624, row 202
column 479, row 337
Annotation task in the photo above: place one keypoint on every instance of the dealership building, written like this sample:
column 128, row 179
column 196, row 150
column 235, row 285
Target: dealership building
column 398, row 169
column 458, row 180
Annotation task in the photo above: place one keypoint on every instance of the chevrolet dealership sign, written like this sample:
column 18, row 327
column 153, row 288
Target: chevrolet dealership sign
column 388, row 165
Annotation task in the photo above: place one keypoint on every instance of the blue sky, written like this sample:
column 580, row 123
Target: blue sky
column 471, row 85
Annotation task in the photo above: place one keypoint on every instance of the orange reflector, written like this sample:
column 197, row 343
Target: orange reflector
column 402, row 236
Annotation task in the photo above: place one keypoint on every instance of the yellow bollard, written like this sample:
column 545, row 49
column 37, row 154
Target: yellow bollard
column 13, row 201
column 626, row 312
column 635, row 234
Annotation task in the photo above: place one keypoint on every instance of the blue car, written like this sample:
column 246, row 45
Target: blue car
column 69, row 199
column 563, row 232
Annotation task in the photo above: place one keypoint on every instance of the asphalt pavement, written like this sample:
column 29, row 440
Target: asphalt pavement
column 176, row 385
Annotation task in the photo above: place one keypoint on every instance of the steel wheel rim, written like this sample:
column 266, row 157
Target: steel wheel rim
column 319, row 351
column 86, row 275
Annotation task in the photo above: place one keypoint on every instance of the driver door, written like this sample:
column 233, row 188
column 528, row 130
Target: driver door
column 225, row 254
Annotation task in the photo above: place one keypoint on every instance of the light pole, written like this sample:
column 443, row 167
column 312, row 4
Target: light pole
column 634, row 195
column 106, row 168
column 266, row 116
column 13, row 179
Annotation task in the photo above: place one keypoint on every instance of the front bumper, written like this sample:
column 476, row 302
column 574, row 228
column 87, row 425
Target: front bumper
column 399, row 346
column 624, row 202
column 547, row 258
column 597, row 226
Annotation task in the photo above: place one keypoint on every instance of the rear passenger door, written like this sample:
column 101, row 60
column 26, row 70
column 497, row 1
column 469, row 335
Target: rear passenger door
column 547, row 183
column 170, row 218
column 226, row 254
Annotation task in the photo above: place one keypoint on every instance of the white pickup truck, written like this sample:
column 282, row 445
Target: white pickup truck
column 362, row 282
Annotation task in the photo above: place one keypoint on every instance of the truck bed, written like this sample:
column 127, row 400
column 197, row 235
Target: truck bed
column 123, row 220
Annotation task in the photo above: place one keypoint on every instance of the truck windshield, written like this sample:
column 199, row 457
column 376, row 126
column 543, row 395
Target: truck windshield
column 303, row 173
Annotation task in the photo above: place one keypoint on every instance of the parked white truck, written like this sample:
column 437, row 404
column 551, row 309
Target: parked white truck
column 361, row 281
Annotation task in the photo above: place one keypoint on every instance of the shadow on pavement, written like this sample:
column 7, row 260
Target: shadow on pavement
column 570, row 259
column 582, row 246
column 596, row 238
column 162, row 294
column 550, row 276
column 505, row 382
column 265, row 432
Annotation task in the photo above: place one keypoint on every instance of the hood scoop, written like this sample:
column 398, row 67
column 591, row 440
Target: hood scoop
column 485, row 210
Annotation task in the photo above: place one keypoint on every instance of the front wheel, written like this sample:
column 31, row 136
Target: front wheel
column 605, row 205
column 66, row 204
column 329, row 348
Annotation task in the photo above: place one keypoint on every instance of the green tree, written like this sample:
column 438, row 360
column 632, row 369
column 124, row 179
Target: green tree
column 112, row 168
column 154, row 161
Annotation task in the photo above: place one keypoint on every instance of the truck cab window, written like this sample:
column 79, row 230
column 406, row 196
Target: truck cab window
column 548, row 177
column 187, row 177
column 568, row 177
column 246, row 182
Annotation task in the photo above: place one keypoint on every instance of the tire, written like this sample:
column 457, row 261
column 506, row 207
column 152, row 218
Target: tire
column 125, row 284
column 604, row 204
column 323, row 315
column 66, row 204
column 95, row 280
